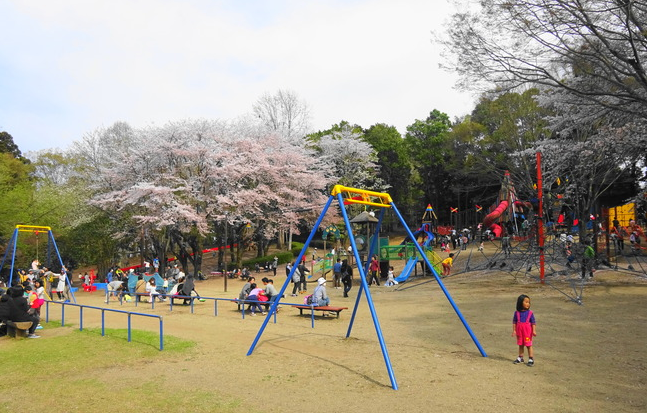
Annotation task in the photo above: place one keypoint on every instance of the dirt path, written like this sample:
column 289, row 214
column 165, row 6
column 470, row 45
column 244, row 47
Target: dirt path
column 588, row 358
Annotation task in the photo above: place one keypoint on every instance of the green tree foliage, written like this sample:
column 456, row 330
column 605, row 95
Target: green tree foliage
column 429, row 146
column 396, row 169
column 16, row 194
column 7, row 145
column 512, row 122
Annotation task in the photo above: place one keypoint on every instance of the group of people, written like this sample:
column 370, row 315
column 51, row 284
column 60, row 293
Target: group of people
column 21, row 303
column 174, row 283
column 259, row 298
column 299, row 278
column 618, row 234
column 256, row 297
column 58, row 284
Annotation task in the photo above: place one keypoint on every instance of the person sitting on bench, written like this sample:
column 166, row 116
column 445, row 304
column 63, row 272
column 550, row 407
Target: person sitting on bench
column 19, row 310
column 187, row 289
column 319, row 296
column 253, row 298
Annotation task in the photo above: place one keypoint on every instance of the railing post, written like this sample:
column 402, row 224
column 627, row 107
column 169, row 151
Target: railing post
column 161, row 334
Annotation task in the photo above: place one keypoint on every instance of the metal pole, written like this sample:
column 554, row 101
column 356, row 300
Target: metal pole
column 364, row 286
column 289, row 277
column 440, row 283
column 540, row 220
column 161, row 334
column 224, row 256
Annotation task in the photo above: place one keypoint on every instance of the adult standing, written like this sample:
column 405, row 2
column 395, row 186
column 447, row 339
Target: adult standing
column 346, row 277
column 275, row 264
column 60, row 286
column 296, row 280
column 374, row 267
column 336, row 271
column 304, row 272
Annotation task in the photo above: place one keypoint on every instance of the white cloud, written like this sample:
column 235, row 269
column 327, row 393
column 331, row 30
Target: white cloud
column 76, row 65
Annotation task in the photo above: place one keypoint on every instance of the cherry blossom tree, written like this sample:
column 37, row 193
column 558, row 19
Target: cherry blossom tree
column 348, row 157
column 183, row 180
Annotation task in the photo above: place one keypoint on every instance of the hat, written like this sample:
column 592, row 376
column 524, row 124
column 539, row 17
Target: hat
column 321, row 280
column 132, row 270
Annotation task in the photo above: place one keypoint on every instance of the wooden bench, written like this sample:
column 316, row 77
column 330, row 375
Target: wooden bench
column 18, row 329
column 325, row 308
column 243, row 303
column 180, row 297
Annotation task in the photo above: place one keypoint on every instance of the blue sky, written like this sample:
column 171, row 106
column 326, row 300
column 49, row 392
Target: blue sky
column 68, row 67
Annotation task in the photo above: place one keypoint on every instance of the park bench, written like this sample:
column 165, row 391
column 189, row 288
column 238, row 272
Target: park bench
column 324, row 309
column 243, row 303
column 18, row 329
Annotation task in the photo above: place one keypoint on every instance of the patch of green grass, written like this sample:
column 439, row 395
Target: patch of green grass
column 76, row 370
column 64, row 351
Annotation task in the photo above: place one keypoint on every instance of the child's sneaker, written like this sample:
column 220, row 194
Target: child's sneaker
column 531, row 362
column 518, row 360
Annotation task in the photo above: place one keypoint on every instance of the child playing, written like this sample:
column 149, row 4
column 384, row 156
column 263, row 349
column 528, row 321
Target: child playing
column 390, row 281
column 447, row 264
column 523, row 326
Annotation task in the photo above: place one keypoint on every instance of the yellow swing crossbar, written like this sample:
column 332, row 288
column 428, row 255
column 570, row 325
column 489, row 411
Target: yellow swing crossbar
column 361, row 196
column 32, row 228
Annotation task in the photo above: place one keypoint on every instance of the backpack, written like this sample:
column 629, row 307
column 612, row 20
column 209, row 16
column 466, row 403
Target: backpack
column 307, row 300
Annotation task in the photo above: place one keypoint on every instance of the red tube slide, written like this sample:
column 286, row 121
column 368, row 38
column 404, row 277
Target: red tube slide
column 492, row 216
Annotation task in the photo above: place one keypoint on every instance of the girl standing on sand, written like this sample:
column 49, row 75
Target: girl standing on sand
column 523, row 326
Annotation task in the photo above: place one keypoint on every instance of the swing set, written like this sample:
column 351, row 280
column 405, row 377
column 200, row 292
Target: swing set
column 344, row 196
column 51, row 248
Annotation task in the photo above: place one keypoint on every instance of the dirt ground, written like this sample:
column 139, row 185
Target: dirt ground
column 589, row 357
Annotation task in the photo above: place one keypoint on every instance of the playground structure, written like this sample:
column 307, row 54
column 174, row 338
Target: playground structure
column 408, row 251
column 533, row 250
column 345, row 195
column 508, row 207
column 51, row 249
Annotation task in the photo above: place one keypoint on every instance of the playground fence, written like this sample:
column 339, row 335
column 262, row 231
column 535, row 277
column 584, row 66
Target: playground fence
column 103, row 322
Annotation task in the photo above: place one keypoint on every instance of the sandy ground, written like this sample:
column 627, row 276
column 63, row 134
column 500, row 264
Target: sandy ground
column 589, row 357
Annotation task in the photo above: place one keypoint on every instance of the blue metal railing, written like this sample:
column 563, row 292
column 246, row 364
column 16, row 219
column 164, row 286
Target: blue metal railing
column 241, row 303
column 103, row 322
